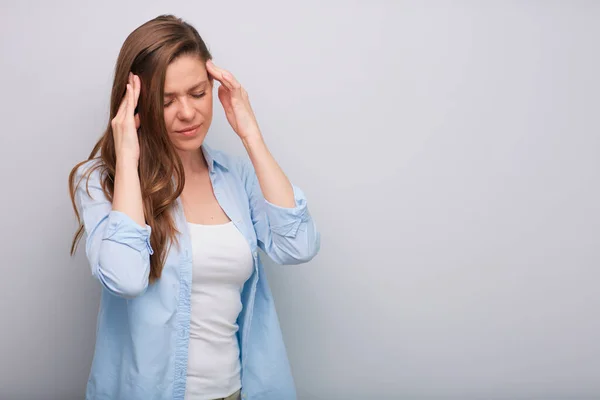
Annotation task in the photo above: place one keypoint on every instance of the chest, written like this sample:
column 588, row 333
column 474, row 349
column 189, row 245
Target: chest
column 218, row 198
column 221, row 257
column 200, row 205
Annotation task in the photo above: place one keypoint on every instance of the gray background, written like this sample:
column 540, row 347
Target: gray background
column 450, row 154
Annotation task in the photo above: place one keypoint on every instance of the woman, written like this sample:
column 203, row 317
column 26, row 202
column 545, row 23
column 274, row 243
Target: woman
column 172, row 230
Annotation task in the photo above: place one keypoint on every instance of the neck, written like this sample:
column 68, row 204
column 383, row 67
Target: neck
column 193, row 162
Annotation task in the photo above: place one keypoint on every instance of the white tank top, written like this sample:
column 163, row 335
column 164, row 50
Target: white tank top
column 222, row 262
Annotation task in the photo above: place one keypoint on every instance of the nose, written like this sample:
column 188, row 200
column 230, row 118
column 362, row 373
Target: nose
column 185, row 111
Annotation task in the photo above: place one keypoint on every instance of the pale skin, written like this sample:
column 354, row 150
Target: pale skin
column 188, row 103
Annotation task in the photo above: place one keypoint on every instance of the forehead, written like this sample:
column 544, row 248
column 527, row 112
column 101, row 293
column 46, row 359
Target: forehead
column 184, row 72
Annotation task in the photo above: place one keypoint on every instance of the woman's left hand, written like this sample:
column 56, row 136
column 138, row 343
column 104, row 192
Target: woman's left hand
column 236, row 104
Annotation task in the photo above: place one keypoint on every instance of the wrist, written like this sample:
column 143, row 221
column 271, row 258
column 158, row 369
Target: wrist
column 127, row 162
column 253, row 141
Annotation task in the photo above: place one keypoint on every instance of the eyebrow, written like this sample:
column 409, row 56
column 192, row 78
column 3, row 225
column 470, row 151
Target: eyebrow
column 195, row 87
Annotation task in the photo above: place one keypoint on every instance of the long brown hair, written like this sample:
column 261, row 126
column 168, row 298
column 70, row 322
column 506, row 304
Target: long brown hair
column 147, row 52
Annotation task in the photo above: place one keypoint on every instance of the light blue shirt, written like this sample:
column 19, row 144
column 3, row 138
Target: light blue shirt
column 143, row 330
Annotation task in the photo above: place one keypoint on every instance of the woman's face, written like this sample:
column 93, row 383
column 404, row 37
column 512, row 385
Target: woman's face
column 188, row 102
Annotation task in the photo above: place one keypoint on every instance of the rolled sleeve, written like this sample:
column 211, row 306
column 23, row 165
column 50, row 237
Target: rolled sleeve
column 287, row 235
column 287, row 221
column 124, row 256
column 124, row 230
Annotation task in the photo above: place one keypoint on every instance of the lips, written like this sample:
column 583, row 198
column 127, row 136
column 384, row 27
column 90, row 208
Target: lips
column 190, row 130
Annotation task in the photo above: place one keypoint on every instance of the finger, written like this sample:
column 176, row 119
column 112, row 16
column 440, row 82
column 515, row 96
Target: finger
column 224, row 98
column 129, row 106
column 122, row 106
column 137, row 88
column 130, row 79
column 231, row 82
column 244, row 94
column 223, row 76
column 131, row 110
column 215, row 72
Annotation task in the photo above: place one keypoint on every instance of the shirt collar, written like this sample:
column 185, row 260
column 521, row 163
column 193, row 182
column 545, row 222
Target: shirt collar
column 213, row 158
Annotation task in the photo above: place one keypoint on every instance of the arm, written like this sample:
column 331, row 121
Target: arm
column 117, row 247
column 117, row 238
column 127, row 197
column 284, row 227
column 275, row 186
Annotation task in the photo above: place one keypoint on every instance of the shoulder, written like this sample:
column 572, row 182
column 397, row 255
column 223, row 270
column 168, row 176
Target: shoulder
column 89, row 173
column 238, row 165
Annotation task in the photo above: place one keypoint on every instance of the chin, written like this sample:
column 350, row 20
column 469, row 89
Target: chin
column 191, row 144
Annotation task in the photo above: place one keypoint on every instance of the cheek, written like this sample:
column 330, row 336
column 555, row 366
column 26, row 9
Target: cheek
column 169, row 114
column 207, row 105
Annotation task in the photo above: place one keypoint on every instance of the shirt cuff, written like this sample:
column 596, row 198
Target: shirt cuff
column 124, row 230
column 286, row 221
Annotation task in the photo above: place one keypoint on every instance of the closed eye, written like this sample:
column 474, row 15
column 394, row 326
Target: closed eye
column 196, row 96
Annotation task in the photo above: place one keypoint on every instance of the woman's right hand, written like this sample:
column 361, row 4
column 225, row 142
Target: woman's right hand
column 125, row 124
